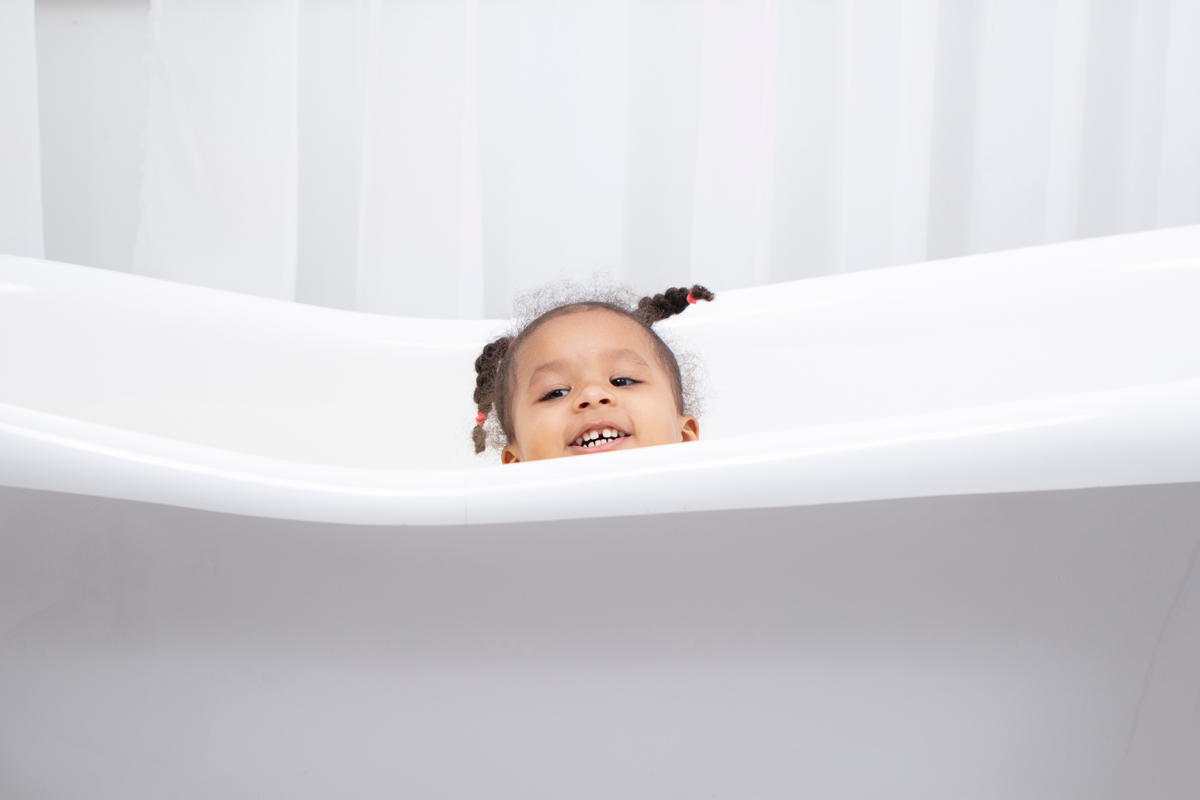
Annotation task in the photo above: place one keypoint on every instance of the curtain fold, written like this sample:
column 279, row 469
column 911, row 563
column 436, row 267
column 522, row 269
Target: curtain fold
column 553, row 89
column 1178, row 201
column 219, row 186
column 436, row 157
column 330, row 98
column 735, row 144
column 20, row 150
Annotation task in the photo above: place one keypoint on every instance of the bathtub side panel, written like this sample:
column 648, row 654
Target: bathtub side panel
column 1030, row 644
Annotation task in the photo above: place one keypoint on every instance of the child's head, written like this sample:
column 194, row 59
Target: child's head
column 586, row 377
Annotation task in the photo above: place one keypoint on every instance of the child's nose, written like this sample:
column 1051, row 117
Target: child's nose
column 596, row 394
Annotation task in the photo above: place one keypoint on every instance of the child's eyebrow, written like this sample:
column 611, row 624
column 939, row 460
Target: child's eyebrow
column 625, row 352
column 559, row 364
column 549, row 366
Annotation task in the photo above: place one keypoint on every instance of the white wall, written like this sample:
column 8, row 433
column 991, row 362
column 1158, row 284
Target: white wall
column 92, row 89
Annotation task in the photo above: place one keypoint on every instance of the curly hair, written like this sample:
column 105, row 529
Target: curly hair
column 495, row 367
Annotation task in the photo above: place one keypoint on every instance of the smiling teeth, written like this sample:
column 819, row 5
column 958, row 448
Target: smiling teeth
column 593, row 438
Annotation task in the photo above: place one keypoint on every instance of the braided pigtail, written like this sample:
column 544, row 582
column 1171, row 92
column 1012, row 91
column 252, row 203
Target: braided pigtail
column 671, row 302
column 487, row 369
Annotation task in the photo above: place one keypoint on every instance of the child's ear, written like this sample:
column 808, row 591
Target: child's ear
column 509, row 455
column 689, row 431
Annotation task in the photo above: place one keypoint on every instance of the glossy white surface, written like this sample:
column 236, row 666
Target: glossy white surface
column 245, row 550
column 1057, row 367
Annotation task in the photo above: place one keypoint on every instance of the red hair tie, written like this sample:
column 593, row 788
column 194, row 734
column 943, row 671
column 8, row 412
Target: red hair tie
column 691, row 299
column 480, row 418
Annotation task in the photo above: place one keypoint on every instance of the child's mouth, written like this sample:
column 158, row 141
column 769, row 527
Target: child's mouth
column 600, row 439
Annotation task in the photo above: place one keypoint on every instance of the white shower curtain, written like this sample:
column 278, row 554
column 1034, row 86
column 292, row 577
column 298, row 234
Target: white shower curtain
column 20, row 151
column 435, row 157
column 219, row 182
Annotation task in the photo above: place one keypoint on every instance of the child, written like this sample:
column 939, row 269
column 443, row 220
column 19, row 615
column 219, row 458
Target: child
column 585, row 377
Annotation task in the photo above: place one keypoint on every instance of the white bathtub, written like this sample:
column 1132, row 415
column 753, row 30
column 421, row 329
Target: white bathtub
column 938, row 540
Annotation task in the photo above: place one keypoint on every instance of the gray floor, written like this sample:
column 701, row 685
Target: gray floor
column 1042, row 645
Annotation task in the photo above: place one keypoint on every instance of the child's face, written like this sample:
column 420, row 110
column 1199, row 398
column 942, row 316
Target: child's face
column 588, row 373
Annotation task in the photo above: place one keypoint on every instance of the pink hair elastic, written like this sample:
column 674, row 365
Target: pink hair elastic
column 690, row 299
column 480, row 418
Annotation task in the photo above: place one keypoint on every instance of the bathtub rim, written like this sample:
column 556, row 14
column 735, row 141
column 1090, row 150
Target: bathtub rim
column 1138, row 436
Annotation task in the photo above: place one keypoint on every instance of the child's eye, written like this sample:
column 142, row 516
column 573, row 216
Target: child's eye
column 624, row 381
column 554, row 394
